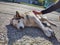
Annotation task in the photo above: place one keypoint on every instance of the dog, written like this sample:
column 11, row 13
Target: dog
column 29, row 19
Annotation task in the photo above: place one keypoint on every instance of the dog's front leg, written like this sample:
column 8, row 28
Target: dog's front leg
column 38, row 22
column 48, row 32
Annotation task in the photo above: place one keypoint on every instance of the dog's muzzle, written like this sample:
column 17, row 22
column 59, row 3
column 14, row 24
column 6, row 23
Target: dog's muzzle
column 21, row 28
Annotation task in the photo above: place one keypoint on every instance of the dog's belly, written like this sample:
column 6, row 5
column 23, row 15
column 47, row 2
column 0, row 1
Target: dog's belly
column 30, row 23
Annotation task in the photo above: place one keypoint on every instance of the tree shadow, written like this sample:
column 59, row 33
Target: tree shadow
column 14, row 34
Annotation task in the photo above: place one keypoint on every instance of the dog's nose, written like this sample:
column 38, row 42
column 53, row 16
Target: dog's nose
column 21, row 27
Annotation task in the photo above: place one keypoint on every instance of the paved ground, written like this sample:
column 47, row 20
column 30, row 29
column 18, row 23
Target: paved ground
column 29, row 36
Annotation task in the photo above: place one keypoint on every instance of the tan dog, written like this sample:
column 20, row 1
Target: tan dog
column 20, row 20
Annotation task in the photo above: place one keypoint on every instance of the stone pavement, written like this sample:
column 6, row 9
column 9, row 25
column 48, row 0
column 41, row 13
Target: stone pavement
column 29, row 36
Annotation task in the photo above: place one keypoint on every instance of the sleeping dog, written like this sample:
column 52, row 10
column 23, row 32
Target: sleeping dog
column 20, row 20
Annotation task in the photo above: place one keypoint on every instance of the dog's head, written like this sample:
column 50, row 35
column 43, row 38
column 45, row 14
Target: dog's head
column 18, row 21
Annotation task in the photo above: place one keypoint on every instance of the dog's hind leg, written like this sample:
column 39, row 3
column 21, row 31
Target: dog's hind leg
column 47, row 31
column 38, row 22
column 51, row 23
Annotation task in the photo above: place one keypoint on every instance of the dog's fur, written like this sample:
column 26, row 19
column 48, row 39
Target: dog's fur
column 20, row 20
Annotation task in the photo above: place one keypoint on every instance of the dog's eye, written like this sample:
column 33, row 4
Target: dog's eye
column 18, row 21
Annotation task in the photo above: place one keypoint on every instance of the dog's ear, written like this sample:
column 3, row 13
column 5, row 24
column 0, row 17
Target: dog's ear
column 18, row 15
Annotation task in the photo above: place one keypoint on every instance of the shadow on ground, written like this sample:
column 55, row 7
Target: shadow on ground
column 14, row 34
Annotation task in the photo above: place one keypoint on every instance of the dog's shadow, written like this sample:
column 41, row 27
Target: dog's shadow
column 14, row 34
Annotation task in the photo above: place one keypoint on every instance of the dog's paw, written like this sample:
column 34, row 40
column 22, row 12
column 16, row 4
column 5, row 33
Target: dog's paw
column 49, row 32
column 55, row 25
